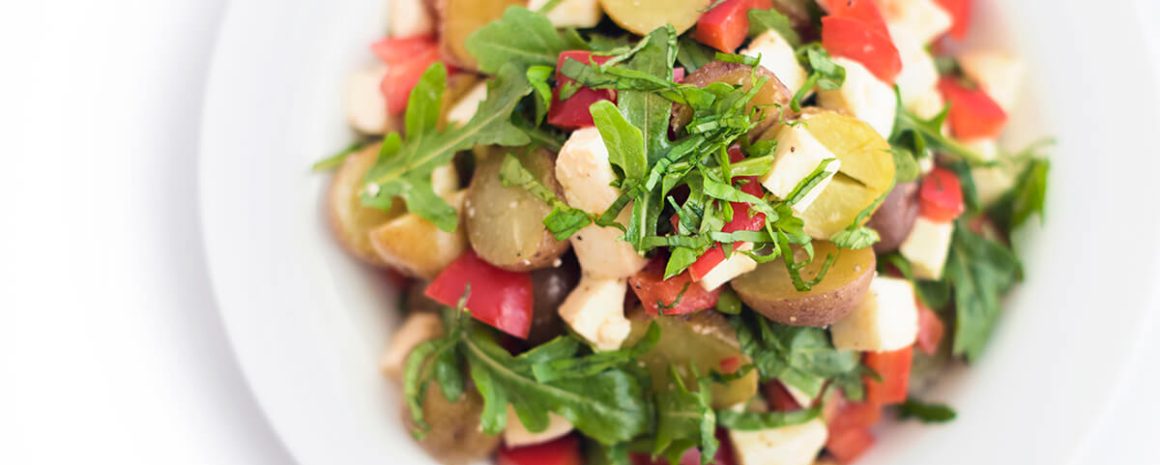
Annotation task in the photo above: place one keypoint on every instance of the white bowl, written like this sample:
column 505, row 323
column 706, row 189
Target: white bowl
column 307, row 322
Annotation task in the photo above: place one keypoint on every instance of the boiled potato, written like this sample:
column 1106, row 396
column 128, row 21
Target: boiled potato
column 550, row 286
column 506, row 224
column 455, row 437
column 773, row 98
column 895, row 218
column 349, row 219
column 770, row 291
column 865, row 155
column 644, row 16
column 416, row 247
column 837, row 207
column 461, row 18
column 703, row 339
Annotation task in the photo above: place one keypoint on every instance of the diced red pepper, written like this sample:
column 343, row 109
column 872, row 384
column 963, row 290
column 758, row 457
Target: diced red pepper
column 744, row 219
column 894, row 368
column 402, row 77
column 930, row 330
column 973, row 113
column 725, row 26
column 862, row 10
column 572, row 112
column 940, row 198
column 563, row 451
column 849, row 444
column 779, row 398
column 730, row 365
column 960, row 11
column 863, row 42
column 677, row 296
column 393, row 51
column 500, row 298
column 849, row 426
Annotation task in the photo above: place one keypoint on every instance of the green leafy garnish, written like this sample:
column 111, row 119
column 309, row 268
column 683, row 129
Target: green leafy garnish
column 823, row 73
column 685, row 420
column 925, row 412
column 979, row 271
column 921, row 138
column 692, row 55
column 336, row 160
column 772, row 20
column 521, row 37
column 1029, row 196
column 755, row 421
column 801, row 357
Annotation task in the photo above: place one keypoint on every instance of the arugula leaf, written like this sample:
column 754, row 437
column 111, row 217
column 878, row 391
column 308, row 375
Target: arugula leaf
column 693, row 55
column 980, row 271
column 824, row 73
column 755, row 421
column 646, row 110
column 1028, row 198
column 336, row 160
column 924, row 412
column 801, row 357
column 772, row 20
column 521, row 37
column 625, row 142
column 538, row 77
column 563, row 221
column 560, row 368
column 425, row 103
column 922, row 137
column 685, row 420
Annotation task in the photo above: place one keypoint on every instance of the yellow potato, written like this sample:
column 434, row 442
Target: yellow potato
column 644, row 16
column 865, row 155
column 455, row 437
column 349, row 219
column 416, row 247
column 461, row 18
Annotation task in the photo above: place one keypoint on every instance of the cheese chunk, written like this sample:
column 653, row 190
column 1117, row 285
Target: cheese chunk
column 927, row 247
column 583, row 170
column 778, row 56
column 466, row 107
column 409, row 18
column 886, row 320
column 924, row 19
column 366, row 109
column 797, row 155
column 603, row 253
column 516, row 435
column 863, row 96
column 927, row 106
column 997, row 73
column 788, row 445
column 919, row 76
column 571, row 13
column 595, row 311
column 734, row 266
column 418, row 328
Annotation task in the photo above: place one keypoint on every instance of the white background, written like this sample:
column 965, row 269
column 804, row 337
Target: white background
column 111, row 350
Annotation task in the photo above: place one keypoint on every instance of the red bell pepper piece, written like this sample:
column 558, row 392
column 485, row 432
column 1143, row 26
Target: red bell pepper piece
column 779, row 398
column 864, row 42
column 678, row 295
column 849, row 426
column 744, row 219
column 973, row 113
column 849, row 444
column 572, row 112
column 396, row 50
column 502, row 299
column 563, row 451
column 940, row 198
column 402, row 77
column 894, row 368
column 725, row 26
column 930, row 330
column 862, row 10
column 960, row 11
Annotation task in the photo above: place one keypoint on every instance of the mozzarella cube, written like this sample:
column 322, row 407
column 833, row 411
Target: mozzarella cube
column 366, row 108
column 410, row 18
column 927, row 106
column 603, row 253
column 801, row 397
column 886, row 320
column 595, row 312
column 736, row 265
column 465, row 108
column 788, row 445
column 516, row 435
column 418, row 328
column 583, row 170
column 778, row 57
column 927, row 247
column 863, row 96
column 571, row 13
column 997, row 73
column 924, row 19
column 445, row 180
column 919, row 76
column 798, row 154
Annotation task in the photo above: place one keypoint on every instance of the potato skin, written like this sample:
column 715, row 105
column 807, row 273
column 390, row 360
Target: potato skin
column 769, row 290
column 773, row 98
column 896, row 217
column 350, row 221
column 455, row 437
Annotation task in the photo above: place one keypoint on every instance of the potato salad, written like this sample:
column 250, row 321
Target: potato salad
column 681, row 231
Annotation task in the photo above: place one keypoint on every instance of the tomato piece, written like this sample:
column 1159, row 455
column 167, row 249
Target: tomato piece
column 940, row 198
column 726, row 26
column 572, row 112
column 960, row 11
column 973, row 113
column 402, row 77
column 499, row 298
column 399, row 49
column 930, row 330
column 563, row 451
column 862, row 10
column 894, row 368
column 863, row 42
column 849, row 444
column 678, row 295
column 779, row 398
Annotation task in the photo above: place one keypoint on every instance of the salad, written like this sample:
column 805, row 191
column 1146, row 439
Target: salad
column 682, row 231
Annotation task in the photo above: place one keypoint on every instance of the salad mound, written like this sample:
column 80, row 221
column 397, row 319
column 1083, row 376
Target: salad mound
column 645, row 231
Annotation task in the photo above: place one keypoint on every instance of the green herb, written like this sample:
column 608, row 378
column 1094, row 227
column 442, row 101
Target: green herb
column 728, row 302
column 924, row 412
column 761, row 21
column 563, row 221
column 685, row 420
column 921, row 138
column 336, row 160
column 521, row 37
column 801, row 357
column 856, row 236
column 906, row 167
column 692, row 54
column 754, row 421
column 980, row 271
column 738, row 59
column 1028, row 198
column 538, row 77
column 824, row 73
column 625, row 142
column 559, row 368
column 549, row 6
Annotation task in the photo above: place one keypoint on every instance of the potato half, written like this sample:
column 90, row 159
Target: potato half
column 769, row 290
column 349, row 219
column 644, row 16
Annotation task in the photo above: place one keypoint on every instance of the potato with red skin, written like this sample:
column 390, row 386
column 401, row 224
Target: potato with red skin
column 895, row 217
column 769, row 289
column 773, row 99
column 349, row 219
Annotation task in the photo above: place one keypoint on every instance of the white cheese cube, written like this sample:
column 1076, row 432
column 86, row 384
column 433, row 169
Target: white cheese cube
column 886, row 320
column 467, row 105
column 583, row 170
column 595, row 311
column 736, row 265
column 366, row 108
column 863, row 96
column 516, row 435
column 997, row 73
column 919, row 76
column 988, row 148
column 409, row 18
column 927, row 106
column 801, row 397
column 798, row 154
column 603, row 253
column 927, row 247
column 788, row 445
column 418, row 328
column 571, row 13
column 778, row 56
column 924, row 19
column 445, row 180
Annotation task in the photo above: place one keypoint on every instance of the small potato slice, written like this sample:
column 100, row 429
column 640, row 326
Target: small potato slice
column 703, row 339
column 455, row 437
column 506, row 224
column 644, row 16
column 773, row 99
column 461, row 18
column 770, row 291
column 416, row 247
column 837, row 207
column 349, row 219
column 865, row 155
